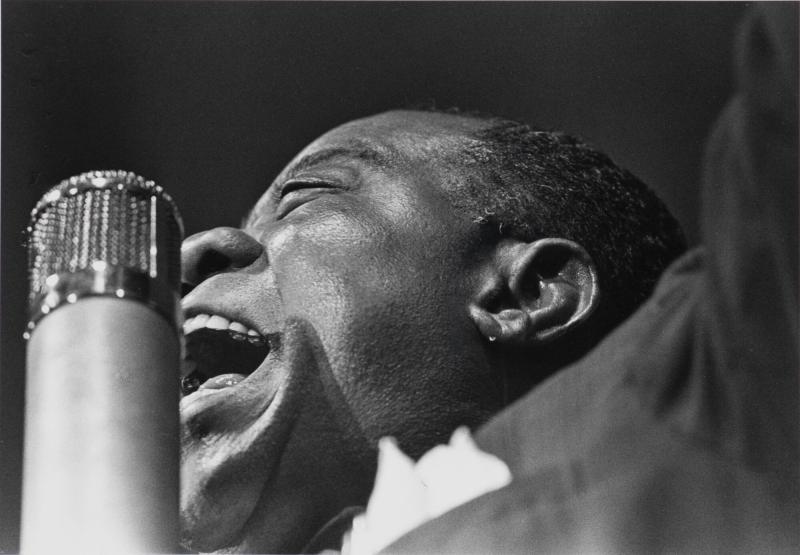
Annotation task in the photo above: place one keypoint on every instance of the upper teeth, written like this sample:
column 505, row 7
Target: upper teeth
column 216, row 322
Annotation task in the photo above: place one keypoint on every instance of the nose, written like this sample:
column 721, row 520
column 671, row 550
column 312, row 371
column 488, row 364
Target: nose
column 222, row 249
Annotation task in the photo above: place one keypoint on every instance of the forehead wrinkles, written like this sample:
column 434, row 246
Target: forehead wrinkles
column 410, row 136
column 449, row 156
column 375, row 155
column 445, row 146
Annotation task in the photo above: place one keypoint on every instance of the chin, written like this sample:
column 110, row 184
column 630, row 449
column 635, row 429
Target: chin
column 235, row 422
column 271, row 457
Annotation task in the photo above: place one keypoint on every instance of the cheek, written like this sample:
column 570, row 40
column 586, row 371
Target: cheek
column 322, row 267
column 343, row 253
column 339, row 268
column 383, row 299
column 359, row 267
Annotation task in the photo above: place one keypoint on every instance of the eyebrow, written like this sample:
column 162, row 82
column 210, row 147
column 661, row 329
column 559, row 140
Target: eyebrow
column 368, row 154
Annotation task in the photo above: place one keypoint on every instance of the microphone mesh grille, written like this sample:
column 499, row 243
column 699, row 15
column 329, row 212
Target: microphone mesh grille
column 112, row 217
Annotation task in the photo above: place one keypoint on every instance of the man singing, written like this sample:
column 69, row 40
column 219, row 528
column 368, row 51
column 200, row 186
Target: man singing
column 413, row 272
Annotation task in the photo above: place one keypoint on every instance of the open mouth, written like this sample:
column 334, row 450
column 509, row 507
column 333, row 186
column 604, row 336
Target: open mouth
column 219, row 353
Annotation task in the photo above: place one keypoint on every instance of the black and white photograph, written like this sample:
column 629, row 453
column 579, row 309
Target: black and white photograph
column 399, row 277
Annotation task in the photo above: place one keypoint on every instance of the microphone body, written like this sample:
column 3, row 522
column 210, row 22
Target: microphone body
column 101, row 460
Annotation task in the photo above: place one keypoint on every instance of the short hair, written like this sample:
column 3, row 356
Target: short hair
column 534, row 183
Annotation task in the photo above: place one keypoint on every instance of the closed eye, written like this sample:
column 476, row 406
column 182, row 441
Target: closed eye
column 294, row 193
column 294, row 185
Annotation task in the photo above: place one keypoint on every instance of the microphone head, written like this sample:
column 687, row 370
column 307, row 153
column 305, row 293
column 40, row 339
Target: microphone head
column 106, row 233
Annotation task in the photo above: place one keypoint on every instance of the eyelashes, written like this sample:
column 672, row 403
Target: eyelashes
column 295, row 193
column 285, row 198
column 299, row 184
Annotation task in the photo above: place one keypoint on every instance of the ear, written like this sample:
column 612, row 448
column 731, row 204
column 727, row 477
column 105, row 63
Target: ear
column 537, row 292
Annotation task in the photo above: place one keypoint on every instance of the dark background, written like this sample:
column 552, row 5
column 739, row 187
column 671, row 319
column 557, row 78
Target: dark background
column 212, row 99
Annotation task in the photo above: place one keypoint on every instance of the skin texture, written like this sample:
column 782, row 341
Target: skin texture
column 379, row 300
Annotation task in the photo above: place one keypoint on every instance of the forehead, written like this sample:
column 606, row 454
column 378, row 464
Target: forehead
column 399, row 125
column 405, row 136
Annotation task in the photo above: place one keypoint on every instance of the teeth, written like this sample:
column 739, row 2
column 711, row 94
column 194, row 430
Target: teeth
column 216, row 322
column 195, row 323
column 236, row 326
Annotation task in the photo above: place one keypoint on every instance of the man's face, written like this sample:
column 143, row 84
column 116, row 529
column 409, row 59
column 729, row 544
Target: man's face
column 356, row 271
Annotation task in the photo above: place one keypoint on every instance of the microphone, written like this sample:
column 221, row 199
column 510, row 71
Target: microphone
column 101, row 458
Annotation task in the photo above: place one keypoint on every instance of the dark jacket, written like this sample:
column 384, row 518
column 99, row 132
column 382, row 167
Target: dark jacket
column 679, row 432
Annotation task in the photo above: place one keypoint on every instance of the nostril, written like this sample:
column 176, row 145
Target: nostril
column 186, row 288
column 212, row 262
column 216, row 251
column 200, row 264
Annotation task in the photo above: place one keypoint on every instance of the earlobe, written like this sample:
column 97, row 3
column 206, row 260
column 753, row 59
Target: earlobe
column 486, row 322
column 547, row 288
